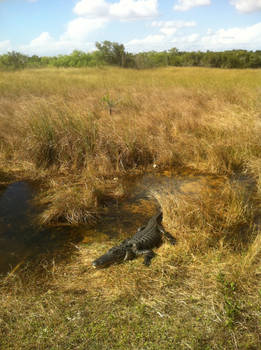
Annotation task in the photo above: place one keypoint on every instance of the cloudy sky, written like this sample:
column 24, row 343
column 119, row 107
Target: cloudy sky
column 49, row 27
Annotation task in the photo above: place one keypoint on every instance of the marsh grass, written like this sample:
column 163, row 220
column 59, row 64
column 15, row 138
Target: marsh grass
column 95, row 121
column 77, row 129
column 80, row 208
column 184, row 300
column 205, row 219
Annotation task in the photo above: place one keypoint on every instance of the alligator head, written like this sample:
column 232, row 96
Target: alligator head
column 113, row 256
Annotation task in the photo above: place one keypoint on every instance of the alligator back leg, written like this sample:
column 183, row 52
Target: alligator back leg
column 170, row 238
column 141, row 228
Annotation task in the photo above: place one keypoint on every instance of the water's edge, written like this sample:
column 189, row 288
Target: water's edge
column 22, row 239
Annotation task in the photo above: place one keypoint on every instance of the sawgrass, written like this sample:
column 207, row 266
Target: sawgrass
column 96, row 124
column 78, row 129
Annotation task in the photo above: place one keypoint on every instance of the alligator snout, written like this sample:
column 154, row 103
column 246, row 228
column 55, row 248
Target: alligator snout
column 94, row 264
column 99, row 263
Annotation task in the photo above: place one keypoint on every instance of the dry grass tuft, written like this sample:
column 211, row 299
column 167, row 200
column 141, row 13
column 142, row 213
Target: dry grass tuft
column 79, row 207
column 207, row 217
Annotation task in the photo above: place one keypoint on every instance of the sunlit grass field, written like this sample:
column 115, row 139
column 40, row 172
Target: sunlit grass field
column 76, row 130
column 87, row 125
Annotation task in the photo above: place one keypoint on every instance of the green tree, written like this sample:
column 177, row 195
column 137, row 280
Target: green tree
column 112, row 52
column 14, row 60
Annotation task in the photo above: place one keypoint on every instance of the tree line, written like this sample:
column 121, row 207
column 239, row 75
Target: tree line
column 112, row 53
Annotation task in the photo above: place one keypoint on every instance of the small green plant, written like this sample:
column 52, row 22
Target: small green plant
column 231, row 307
column 108, row 102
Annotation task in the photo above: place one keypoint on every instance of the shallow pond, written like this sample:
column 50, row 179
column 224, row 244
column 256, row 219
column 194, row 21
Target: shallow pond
column 22, row 239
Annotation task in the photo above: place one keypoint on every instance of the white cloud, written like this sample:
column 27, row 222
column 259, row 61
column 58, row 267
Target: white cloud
column 150, row 42
column 234, row 38
column 43, row 39
column 189, row 39
column 132, row 9
column 95, row 15
column 45, row 44
column 123, row 9
column 163, row 39
column 173, row 24
column 168, row 31
column 92, row 16
column 169, row 28
column 26, row 0
column 186, row 42
column 185, row 5
column 247, row 6
column 5, row 46
column 91, row 8
column 248, row 38
column 176, row 24
column 80, row 28
column 162, row 42
column 150, row 39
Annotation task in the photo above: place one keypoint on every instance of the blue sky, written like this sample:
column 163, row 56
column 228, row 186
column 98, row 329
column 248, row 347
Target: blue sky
column 50, row 27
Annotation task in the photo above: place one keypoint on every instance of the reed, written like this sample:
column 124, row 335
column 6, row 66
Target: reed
column 110, row 121
column 59, row 119
column 77, row 129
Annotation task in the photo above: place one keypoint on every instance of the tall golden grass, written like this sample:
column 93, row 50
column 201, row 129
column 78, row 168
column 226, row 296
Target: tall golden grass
column 96, row 123
column 77, row 129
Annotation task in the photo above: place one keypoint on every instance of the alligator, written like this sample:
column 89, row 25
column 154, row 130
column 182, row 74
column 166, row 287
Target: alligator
column 145, row 239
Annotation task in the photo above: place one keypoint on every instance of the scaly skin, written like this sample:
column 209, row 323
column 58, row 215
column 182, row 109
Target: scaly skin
column 142, row 243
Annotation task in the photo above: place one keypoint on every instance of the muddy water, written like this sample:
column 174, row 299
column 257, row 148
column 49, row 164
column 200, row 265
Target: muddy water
column 21, row 239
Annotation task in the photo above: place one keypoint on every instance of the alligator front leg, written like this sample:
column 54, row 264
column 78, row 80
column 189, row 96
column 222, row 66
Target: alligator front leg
column 130, row 254
column 148, row 254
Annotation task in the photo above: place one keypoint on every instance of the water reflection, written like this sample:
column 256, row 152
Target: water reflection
column 20, row 238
